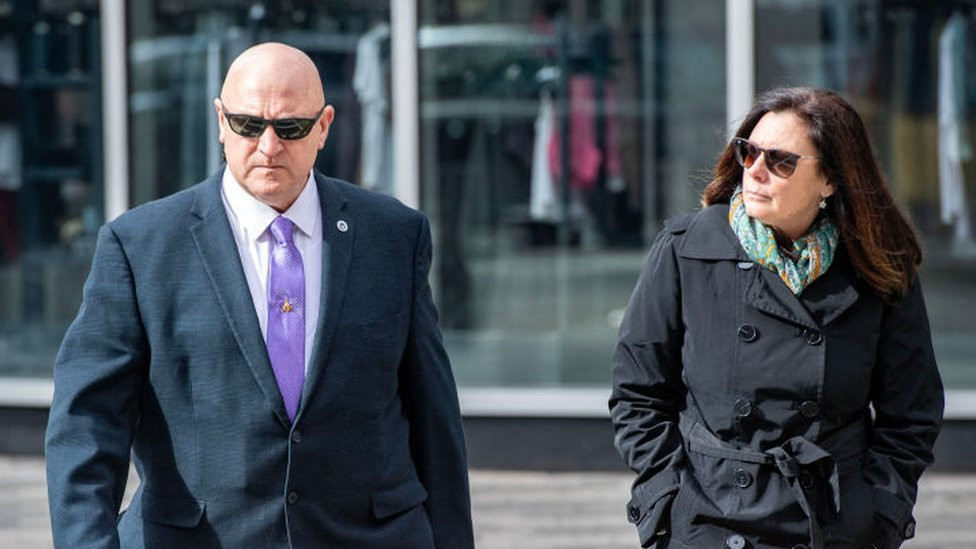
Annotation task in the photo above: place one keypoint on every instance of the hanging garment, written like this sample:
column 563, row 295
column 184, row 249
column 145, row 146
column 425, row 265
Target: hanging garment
column 543, row 205
column 370, row 84
column 585, row 158
column 953, row 146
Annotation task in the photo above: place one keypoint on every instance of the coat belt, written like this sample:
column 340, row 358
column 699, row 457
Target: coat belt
column 789, row 459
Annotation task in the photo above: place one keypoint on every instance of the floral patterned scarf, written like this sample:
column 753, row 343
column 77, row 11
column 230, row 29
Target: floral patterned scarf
column 814, row 250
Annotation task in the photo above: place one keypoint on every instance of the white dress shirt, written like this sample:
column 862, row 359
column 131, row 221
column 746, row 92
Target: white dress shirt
column 249, row 221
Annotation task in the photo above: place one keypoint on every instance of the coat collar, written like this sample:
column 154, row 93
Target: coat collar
column 708, row 236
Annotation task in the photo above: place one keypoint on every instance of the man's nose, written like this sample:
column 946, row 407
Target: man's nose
column 269, row 143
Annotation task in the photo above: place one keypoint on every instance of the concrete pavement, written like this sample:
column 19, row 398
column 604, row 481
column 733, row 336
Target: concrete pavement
column 525, row 510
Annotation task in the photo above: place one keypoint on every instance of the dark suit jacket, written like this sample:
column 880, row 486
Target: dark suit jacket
column 166, row 359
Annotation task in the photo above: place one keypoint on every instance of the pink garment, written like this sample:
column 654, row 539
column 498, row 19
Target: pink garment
column 584, row 156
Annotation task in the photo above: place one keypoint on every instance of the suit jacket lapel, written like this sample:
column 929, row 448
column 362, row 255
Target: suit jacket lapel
column 338, row 234
column 218, row 250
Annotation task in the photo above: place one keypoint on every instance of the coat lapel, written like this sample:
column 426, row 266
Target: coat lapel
column 338, row 234
column 215, row 242
column 831, row 294
column 709, row 237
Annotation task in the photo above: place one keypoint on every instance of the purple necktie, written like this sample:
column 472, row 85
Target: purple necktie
column 286, row 314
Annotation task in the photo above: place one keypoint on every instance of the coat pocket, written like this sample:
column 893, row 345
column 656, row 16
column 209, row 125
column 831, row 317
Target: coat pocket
column 649, row 508
column 396, row 500
column 182, row 512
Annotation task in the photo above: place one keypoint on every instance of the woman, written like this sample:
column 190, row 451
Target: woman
column 763, row 331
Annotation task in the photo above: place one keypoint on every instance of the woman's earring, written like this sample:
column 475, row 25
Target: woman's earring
column 823, row 204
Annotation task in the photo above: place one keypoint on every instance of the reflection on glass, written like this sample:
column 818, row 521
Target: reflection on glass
column 50, row 175
column 545, row 171
column 907, row 66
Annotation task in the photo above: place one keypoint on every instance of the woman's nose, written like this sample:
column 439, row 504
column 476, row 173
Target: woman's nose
column 758, row 170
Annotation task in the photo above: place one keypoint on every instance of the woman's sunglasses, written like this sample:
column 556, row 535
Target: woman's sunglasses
column 778, row 162
column 249, row 126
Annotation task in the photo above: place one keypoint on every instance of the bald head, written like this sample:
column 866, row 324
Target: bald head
column 273, row 69
column 272, row 82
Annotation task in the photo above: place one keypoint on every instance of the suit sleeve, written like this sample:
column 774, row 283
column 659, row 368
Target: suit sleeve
column 97, row 377
column 908, row 401
column 430, row 401
column 648, row 392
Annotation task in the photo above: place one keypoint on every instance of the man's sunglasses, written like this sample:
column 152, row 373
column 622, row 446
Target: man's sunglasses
column 249, row 126
column 779, row 162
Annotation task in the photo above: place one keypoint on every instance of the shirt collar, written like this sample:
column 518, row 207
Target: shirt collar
column 255, row 216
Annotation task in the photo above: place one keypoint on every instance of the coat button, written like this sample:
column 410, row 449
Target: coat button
column 742, row 407
column 909, row 532
column 748, row 332
column 813, row 337
column 297, row 437
column 735, row 541
column 810, row 409
column 742, row 478
column 292, row 498
column 633, row 512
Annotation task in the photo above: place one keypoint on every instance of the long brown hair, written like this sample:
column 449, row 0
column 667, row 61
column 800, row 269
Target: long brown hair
column 879, row 240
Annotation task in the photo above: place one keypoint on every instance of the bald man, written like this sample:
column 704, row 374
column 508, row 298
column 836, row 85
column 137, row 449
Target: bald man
column 265, row 347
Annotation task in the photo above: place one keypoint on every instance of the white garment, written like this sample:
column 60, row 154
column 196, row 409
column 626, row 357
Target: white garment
column 954, row 148
column 543, row 205
column 10, row 158
column 249, row 221
column 370, row 84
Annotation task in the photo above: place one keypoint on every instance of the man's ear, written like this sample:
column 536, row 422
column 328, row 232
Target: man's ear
column 324, row 121
column 220, row 120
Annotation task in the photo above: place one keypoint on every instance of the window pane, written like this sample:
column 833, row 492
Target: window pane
column 178, row 56
column 50, row 174
column 907, row 67
column 555, row 136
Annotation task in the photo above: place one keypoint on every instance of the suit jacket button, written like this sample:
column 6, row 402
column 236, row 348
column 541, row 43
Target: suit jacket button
column 735, row 541
column 810, row 409
column 633, row 512
column 296, row 436
column 814, row 337
column 909, row 532
column 742, row 407
column 292, row 498
column 748, row 333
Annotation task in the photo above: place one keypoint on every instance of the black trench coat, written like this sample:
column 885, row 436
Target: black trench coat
column 758, row 419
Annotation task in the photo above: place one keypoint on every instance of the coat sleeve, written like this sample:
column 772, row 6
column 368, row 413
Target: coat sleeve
column 97, row 378
column 430, row 401
column 647, row 389
column 908, row 401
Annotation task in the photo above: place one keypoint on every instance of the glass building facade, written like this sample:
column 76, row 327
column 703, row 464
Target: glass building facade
column 553, row 138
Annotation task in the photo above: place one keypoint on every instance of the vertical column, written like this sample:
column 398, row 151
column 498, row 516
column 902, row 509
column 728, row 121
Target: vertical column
column 114, row 108
column 405, row 101
column 740, row 63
